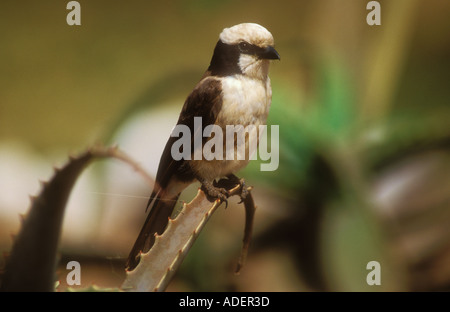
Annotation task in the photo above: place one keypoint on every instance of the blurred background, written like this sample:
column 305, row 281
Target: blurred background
column 363, row 111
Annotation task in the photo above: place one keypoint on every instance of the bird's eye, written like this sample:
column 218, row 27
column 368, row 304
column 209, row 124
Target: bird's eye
column 244, row 46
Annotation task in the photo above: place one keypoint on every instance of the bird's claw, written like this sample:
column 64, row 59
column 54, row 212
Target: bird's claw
column 215, row 192
column 244, row 191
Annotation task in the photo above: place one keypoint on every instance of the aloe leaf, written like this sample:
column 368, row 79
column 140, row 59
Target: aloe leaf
column 33, row 258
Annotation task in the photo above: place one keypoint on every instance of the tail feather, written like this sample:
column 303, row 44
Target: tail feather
column 156, row 222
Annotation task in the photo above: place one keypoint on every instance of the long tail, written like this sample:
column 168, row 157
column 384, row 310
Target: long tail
column 156, row 222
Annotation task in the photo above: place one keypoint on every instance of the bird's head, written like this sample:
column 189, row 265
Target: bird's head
column 244, row 49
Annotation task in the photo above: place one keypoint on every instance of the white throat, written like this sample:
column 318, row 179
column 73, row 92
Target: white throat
column 253, row 67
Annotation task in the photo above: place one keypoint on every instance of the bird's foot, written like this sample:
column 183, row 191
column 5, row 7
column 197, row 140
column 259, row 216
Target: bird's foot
column 214, row 192
column 244, row 190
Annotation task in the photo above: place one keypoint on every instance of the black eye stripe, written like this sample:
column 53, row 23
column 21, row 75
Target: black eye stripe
column 244, row 47
column 247, row 48
column 225, row 59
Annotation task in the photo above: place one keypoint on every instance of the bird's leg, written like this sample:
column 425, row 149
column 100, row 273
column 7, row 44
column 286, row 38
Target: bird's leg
column 213, row 191
column 244, row 191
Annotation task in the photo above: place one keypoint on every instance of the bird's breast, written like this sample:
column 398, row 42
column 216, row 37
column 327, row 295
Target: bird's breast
column 246, row 101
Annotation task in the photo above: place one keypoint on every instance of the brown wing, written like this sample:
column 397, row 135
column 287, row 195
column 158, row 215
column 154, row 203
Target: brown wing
column 205, row 101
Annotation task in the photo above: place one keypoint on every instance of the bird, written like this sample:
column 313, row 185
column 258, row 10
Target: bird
column 234, row 90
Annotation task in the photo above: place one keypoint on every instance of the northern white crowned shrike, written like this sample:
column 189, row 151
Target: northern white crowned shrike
column 235, row 90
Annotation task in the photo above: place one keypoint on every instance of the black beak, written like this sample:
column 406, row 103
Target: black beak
column 269, row 53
